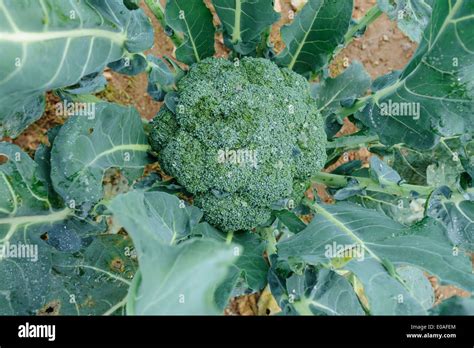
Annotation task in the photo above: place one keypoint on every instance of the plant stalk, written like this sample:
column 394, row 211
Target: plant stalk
column 350, row 142
column 229, row 237
column 370, row 16
column 403, row 190
column 359, row 104
column 264, row 43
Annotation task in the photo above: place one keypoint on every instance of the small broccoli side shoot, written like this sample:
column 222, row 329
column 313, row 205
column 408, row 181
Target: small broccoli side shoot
column 244, row 135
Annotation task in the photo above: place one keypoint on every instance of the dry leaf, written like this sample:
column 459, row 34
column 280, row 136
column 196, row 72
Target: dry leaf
column 267, row 304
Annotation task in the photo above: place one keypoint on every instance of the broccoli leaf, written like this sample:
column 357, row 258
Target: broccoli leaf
column 68, row 41
column 424, row 246
column 290, row 220
column 410, row 163
column 244, row 21
column 93, row 83
column 412, row 16
column 249, row 247
column 434, row 95
column 322, row 292
column 385, row 294
column 456, row 213
column 150, row 213
column 418, row 285
column 95, row 280
column 108, row 136
column 36, row 278
column 178, row 280
column 382, row 172
column 131, row 64
column 193, row 19
column 346, row 87
column 173, row 278
column 161, row 78
column 314, row 35
column 25, row 203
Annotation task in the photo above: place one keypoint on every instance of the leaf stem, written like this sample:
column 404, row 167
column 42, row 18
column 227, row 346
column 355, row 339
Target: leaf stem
column 264, row 43
column 271, row 240
column 352, row 141
column 403, row 190
column 370, row 16
column 230, row 236
column 115, row 307
column 238, row 12
column 359, row 104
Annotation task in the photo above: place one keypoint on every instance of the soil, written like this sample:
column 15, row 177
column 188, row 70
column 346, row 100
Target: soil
column 381, row 49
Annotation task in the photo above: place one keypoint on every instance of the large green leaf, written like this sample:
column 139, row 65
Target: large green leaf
column 249, row 247
column 418, row 285
column 24, row 204
column 162, row 79
column 405, row 210
column 95, row 280
column 456, row 213
column 434, row 94
column 314, row 35
column 455, row 306
column 68, row 40
column 179, row 280
column 193, row 19
column 173, row 278
column 322, row 292
column 159, row 215
column 382, row 242
column 385, row 294
column 291, row 220
column 405, row 207
column 40, row 279
column 43, row 171
column 86, row 147
column 410, row 163
column 412, row 16
column 332, row 93
column 244, row 21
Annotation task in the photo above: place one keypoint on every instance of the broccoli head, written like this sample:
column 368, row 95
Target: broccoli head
column 244, row 135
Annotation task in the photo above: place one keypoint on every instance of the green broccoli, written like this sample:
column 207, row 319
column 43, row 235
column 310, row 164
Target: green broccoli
column 244, row 135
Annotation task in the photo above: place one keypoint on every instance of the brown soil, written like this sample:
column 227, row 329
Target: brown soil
column 36, row 133
column 132, row 90
column 382, row 48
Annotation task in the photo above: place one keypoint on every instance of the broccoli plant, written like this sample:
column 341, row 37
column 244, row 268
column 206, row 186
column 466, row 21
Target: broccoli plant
column 236, row 186
column 243, row 136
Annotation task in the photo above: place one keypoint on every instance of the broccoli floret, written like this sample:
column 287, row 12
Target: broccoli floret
column 245, row 134
column 231, row 212
column 163, row 128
